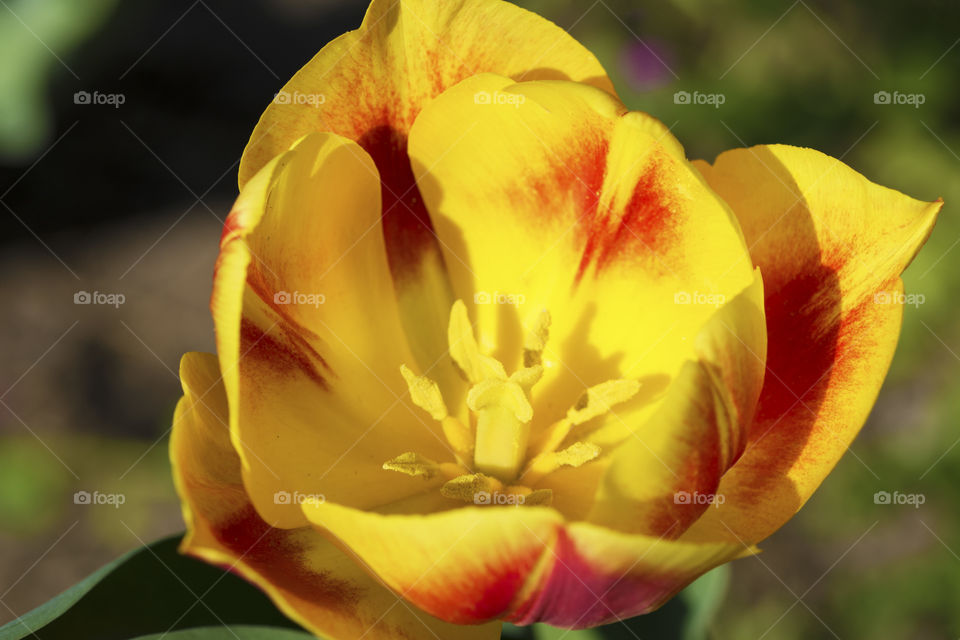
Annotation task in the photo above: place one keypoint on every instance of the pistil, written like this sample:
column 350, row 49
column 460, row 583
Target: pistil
column 494, row 451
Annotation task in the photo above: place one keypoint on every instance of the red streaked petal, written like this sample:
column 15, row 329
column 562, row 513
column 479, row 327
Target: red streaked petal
column 309, row 336
column 466, row 565
column 831, row 245
column 599, row 576
column 309, row 579
column 551, row 196
column 369, row 85
column 522, row 564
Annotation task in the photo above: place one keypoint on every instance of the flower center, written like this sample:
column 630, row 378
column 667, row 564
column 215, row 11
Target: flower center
column 494, row 451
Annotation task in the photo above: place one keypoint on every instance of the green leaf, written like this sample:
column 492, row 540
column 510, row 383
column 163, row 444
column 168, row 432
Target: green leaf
column 152, row 590
column 704, row 598
column 546, row 632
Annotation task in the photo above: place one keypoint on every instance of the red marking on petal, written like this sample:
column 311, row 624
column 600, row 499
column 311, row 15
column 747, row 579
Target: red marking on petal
column 577, row 595
column 587, row 196
column 407, row 229
column 259, row 345
column 802, row 325
column 230, row 226
column 480, row 597
column 649, row 219
column 301, row 337
column 495, row 597
column 803, row 332
column 274, row 554
column 640, row 229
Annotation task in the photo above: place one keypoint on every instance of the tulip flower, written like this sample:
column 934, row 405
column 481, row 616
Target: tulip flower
column 489, row 348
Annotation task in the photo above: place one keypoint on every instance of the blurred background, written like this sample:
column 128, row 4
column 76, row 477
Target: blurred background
column 121, row 126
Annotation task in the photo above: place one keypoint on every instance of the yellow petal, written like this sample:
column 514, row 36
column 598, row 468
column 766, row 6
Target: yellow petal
column 831, row 245
column 551, row 196
column 307, row 577
column 523, row 564
column 465, row 565
column 369, row 85
column 663, row 478
column 405, row 53
column 309, row 335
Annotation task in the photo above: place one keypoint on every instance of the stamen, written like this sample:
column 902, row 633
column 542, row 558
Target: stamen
column 425, row 393
column 467, row 487
column 491, row 454
column 481, row 489
column 596, row 401
column 577, row 454
column 464, row 349
column 599, row 399
column 413, row 464
column 538, row 498
column 536, row 340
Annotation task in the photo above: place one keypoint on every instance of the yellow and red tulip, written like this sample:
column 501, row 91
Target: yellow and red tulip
column 683, row 352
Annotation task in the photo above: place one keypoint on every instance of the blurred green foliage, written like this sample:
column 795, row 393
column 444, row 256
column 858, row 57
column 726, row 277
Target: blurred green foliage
column 34, row 39
column 37, row 493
